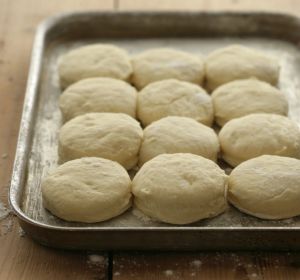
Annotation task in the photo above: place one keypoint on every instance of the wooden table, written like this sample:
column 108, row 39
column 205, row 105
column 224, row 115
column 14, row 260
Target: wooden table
column 20, row 257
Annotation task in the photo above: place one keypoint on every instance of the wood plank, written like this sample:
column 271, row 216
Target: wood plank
column 288, row 6
column 21, row 258
column 212, row 266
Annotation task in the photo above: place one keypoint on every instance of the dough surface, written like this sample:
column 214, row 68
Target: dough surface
column 87, row 190
column 163, row 63
column 267, row 187
column 259, row 134
column 98, row 95
column 96, row 60
column 113, row 136
column 178, row 135
column 243, row 97
column 237, row 62
column 174, row 98
column 180, row 188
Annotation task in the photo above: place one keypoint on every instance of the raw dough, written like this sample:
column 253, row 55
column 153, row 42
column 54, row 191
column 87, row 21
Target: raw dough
column 267, row 187
column 180, row 188
column 97, row 60
column 98, row 95
column 87, row 190
column 178, row 135
column 174, row 98
column 113, row 136
column 243, row 97
column 238, row 62
column 259, row 134
column 161, row 64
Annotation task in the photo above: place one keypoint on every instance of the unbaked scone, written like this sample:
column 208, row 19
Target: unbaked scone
column 267, row 187
column 259, row 134
column 113, row 136
column 160, row 64
column 180, row 188
column 87, row 190
column 96, row 60
column 237, row 62
column 174, row 98
column 178, row 135
column 98, row 95
column 243, row 97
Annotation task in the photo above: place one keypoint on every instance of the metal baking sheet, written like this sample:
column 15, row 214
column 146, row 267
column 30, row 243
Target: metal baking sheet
column 198, row 33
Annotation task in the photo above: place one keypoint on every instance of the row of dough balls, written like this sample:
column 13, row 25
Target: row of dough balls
column 119, row 137
column 168, row 90
column 177, row 188
column 222, row 66
column 172, row 98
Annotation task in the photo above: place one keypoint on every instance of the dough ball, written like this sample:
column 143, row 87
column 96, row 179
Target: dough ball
column 238, row 62
column 178, row 135
column 98, row 95
column 243, row 97
column 113, row 136
column 174, row 98
column 180, row 188
column 95, row 60
column 259, row 134
column 161, row 64
column 87, row 190
column 267, row 187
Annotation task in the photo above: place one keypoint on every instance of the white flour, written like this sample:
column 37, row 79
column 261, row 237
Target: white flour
column 3, row 211
column 168, row 272
column 96, row 260
column 196, row 263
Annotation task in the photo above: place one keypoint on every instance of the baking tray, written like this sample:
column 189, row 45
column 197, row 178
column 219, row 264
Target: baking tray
column 36, row 154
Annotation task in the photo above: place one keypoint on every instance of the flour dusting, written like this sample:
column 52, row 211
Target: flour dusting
column 196, row 263
column 168, row 272
column 3, row 211
column 96, row 260
column 141, row 216
column 21, row 232
column 6, row 227
column 98, row 264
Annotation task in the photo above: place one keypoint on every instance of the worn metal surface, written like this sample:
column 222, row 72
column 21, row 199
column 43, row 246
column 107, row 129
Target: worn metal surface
column 199, row 33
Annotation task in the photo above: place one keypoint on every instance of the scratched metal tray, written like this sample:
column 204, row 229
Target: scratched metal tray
column 36, row 153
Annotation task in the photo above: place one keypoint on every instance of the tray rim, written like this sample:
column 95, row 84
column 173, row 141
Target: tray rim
column 23, row 143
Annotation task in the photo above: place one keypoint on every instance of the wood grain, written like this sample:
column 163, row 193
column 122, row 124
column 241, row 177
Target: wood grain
column 21, row 258
column 212, row 266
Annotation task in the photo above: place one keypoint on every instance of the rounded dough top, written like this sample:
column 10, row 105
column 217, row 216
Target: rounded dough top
column 164, row 63
column 98, row 95
column 113, row 136
column 267, row 187
column 238, row 62
column 174, row 98
column 97, row 60
column 178, row 135
column 258, row 134
column 180, row 188
column 87, row 190
column 243, row 97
